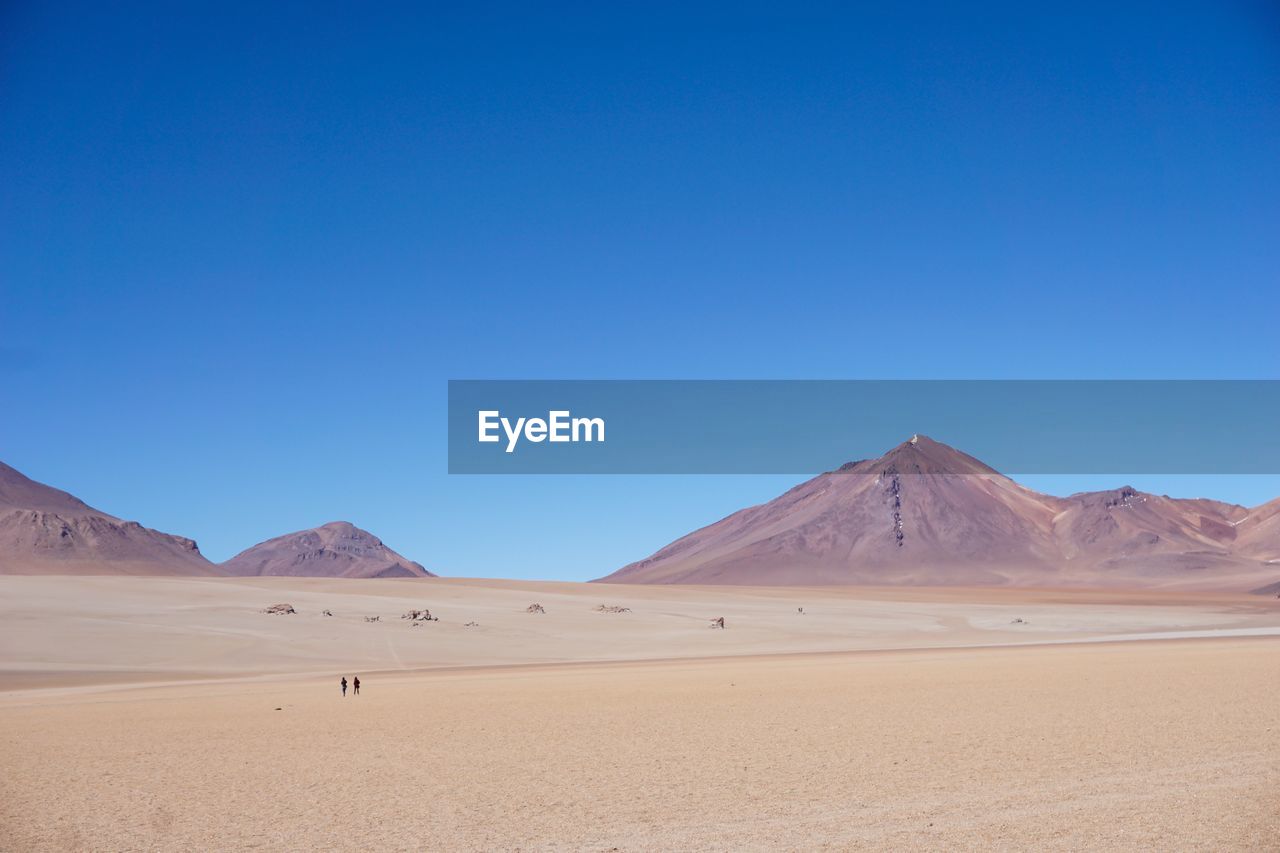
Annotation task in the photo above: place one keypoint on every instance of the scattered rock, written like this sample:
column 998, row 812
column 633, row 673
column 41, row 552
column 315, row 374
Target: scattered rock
column 373, row 618
column 328, row 612
column 1019, row 621
column 612, row 608
column 535, row 608
column 717, row 623
column 472, row 625
column 420, row 616
column 280, row 608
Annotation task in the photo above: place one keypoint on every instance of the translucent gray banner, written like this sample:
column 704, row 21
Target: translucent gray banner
column 808, row 426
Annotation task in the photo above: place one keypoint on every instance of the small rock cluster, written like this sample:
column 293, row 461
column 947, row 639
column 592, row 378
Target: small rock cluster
column 420, row 616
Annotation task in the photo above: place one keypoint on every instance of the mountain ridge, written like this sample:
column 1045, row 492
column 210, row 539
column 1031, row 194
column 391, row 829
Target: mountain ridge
column 926, row 513
column 44, row 530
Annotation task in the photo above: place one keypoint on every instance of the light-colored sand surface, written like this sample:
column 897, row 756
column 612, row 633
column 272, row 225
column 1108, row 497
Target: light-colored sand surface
column 1137, row 746
column 723, row 740
column 101, row 630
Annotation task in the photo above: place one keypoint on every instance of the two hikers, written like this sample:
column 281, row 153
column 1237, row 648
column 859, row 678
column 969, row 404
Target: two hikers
column 355, row 685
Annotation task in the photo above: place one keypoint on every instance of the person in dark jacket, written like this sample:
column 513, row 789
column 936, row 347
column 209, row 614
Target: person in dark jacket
column 344, row 685
column 355, row 684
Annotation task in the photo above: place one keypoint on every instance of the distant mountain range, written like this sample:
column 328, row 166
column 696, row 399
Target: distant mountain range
column 44, row 531
column 925, row 513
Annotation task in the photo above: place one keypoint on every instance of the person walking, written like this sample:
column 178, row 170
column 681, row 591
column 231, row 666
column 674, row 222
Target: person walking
column 344, row 686
column 355, row 684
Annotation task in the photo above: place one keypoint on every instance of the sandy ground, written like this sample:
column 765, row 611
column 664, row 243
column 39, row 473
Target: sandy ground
column 64, row 631
column 170, row 715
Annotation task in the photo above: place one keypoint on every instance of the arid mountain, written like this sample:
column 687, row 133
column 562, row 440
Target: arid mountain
column 47, row 531
column 1258, row 533
column 925, row 513
column 338, row 549
column 1134, row 534
column 896, row 519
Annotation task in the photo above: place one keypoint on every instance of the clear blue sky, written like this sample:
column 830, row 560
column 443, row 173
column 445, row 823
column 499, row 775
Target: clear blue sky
column 242, row 248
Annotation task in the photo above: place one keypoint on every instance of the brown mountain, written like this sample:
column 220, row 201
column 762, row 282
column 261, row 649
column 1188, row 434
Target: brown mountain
column 1258, row 533
column 925, row 513
column 1126, row 532
column 47, row 531
column 338, row 549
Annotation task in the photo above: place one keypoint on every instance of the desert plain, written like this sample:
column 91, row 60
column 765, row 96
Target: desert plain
column 173, row 714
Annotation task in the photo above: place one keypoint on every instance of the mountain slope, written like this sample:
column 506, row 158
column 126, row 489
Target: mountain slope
column 921, row 508
column 1258, row 533
column 44, row 530
column 925, row 513
column 1128, row 532
column 338, row 549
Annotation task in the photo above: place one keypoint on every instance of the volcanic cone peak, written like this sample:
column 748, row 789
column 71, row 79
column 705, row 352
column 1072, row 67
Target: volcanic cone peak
column 926, row 513
column 919, row 455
